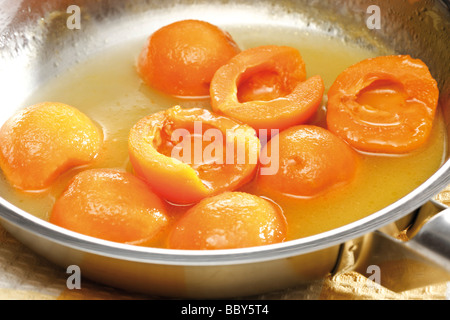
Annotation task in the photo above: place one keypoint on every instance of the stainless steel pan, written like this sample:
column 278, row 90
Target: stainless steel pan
column 35, row 45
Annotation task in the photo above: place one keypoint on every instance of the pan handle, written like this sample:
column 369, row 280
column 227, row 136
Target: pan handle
column 412, row 253
column 432, row 240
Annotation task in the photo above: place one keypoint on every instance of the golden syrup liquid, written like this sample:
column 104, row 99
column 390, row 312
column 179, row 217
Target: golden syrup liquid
column 108, row 90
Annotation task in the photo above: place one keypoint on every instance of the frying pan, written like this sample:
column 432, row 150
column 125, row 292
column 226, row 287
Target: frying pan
column 36, row 45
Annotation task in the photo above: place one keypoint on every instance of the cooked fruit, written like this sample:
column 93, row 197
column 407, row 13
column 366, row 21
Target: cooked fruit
column 44, row 140
column 180, row 59
column 385, row 104
column 110, row 205
column 266, row 88
column 186, row 155
column 227, row 221
column 311, row 161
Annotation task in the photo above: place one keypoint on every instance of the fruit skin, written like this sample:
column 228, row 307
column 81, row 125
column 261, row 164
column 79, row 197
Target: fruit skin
column 312, row 161
column 180, row 59
column 185, row 183
column 293, row 100
column 111, row 205
column 44, row 140
column 227, row 221
column 358, row 111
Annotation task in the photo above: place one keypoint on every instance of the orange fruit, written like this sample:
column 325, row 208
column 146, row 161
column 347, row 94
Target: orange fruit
column 186, row 155
column 385, row 104
column 227, row 221
column 266, row 88
column 180, row 59
column 311, row 160
column 44, row 140
column 110, row 205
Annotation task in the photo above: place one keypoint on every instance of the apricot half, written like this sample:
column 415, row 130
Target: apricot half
column 227, row 221
column 42, row 141
column 180, row 59
column 266, row 88
column 311, row 161
column 186, row 155
column 110, row 205
column 385, row 104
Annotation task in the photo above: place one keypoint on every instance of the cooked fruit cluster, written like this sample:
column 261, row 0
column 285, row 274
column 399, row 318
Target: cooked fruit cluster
column 257, row 130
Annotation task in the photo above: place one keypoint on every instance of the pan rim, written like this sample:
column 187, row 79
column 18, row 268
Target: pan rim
column 395, row 211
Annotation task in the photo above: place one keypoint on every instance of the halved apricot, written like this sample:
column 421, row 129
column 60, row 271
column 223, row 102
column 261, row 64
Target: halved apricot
column 311, row 161
column 180, row 59
column 385, row 104
column 42, row 141
column 186, row 155
column 111, row 205
column 227, row 221
column 265, row 87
